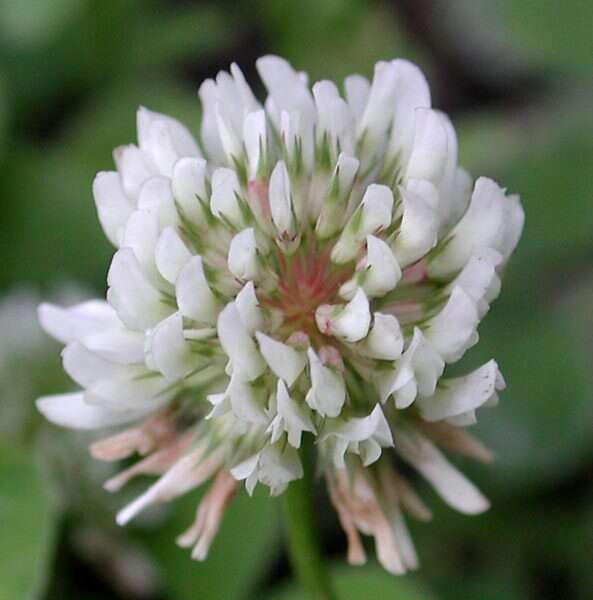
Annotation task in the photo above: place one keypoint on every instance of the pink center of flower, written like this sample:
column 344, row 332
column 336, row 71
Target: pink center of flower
column 307, row 280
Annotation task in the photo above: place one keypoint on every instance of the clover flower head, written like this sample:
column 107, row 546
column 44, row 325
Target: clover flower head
column 308, row 269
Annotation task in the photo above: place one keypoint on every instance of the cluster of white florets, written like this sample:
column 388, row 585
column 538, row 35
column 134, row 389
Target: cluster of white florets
column 310, row 268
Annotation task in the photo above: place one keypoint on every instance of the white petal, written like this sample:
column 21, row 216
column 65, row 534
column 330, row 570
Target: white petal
column 113, row 206
column 249, row 308
column 171, row 254
column 242, row 260
column 246, row 403
column 156, row 197
column 87, row 368
column 513, row 221
column 420, row 223
column 164, row 139
column 429, row 151
column 238, row 344
column 453, row 330
column 295, row 418
column 209, row 129
column 117, row 344
column 77, row 322
column 382, row 269
column 284, row 361
column 328, row 391
column 189, row 188
column 334, row 206
column 357, row 90
column 141, row 235
column 194, row 297
column 171, row 353
column 134, row 167
column 226, row 194
column 71, row 410
column 373, row 215
column 138, row 304
column 255, row 140
column 277, row 468
column 481, row 227
column 479, row 279
column 411, row 92
column 453, row 397
column 286, row 87
column 385, row 340
column 449, row 483
column 349, row 322
column 281, row 200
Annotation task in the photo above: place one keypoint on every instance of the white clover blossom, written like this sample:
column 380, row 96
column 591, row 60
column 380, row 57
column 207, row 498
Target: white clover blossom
column 308, row 269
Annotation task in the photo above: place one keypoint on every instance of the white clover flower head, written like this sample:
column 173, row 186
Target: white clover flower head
column 308, row 269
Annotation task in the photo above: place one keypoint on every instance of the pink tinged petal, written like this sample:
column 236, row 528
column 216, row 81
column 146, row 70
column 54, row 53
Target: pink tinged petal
column 356, row 553
column 78, row 321
column 453, row 330
column 134, row 167
column 189, row 188
column 138, row 304
column 71, row 410
column 156, row 463
column 164, row 139
column 187, row 473
column 113, row 206
column 238, row 344
column 209, row 516
column 171, row 353
column 455, row 397
column 154, row 432
column 450, row 484
column 194, row 296
column 284, row 361
column 171, row 254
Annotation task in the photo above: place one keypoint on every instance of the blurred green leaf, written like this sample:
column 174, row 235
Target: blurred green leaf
column 342, row 37
column 31, row 23
column 242, row 552
column 542, row 427
column 27, row 525
column 552, row 34
column 363, row 583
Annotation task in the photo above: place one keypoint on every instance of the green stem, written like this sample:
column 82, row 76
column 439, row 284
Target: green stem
column 305, row 553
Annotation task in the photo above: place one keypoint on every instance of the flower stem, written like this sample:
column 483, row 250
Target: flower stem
column 305, row 553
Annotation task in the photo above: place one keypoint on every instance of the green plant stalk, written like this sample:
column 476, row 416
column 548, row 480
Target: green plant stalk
column 305, row 552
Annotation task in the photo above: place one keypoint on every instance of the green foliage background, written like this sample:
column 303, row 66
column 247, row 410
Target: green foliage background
column 515, row 76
